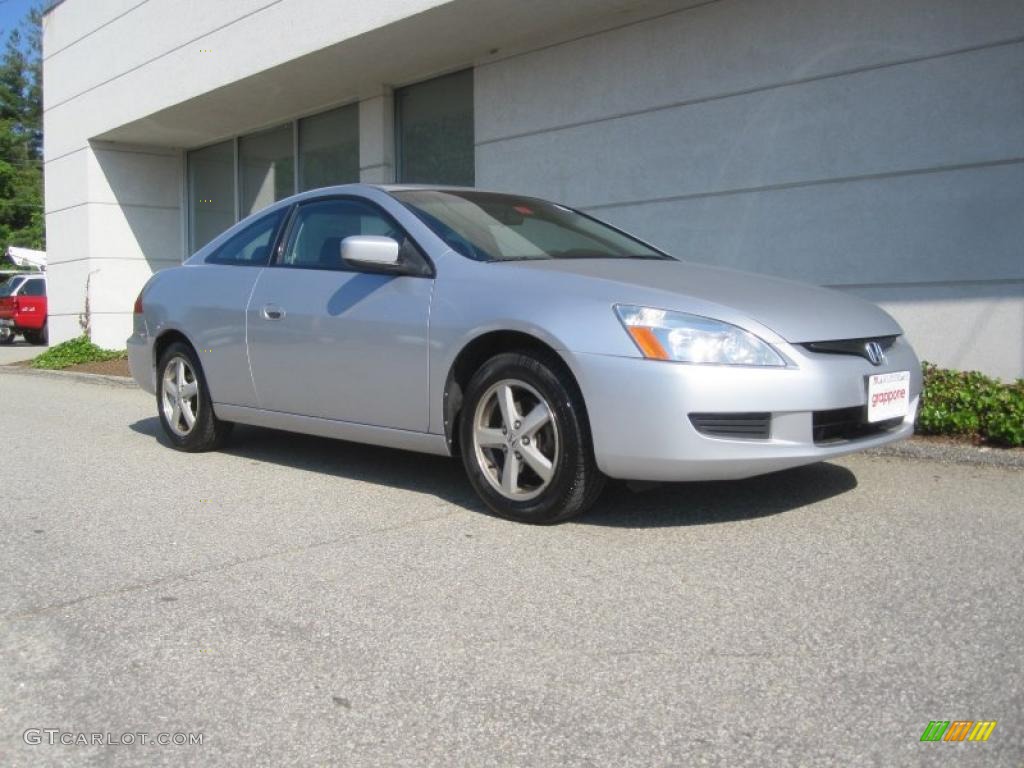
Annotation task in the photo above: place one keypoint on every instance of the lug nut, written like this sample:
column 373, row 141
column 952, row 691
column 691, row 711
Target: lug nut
column 519, row 456
column 526, row 440
column 518, row 424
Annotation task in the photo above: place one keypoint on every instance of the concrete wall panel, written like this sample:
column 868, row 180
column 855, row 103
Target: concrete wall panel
column 956, row 225
column 79, row 19
column 723, row 48
column 948, row 111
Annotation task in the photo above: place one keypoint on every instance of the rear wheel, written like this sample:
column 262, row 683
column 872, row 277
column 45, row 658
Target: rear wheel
column 36, row 337
column 183, row 402
column 525, row 440
column 6, row 335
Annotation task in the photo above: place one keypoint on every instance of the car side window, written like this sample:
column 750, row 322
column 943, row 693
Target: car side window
column 34, row 288
column 10, row 288
column 250, row 247
column 320, row 226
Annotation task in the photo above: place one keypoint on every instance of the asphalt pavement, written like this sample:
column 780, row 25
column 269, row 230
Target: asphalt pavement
column 19, row 350
column 297, row 601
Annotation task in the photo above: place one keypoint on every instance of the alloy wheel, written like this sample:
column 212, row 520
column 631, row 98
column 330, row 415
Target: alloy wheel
column 180, row 396
column 515, row 440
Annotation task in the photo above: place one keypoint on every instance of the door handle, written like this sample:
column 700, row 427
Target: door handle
column 272, row 312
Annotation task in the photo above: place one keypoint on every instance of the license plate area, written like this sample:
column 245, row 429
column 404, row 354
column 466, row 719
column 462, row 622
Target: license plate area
column 888, row 396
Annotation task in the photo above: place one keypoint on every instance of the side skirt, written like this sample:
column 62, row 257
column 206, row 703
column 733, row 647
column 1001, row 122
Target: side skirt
column 421, row 442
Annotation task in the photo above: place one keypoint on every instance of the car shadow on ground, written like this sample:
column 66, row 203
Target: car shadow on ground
column 660, row 505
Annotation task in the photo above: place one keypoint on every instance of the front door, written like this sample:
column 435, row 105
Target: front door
column 331, row 342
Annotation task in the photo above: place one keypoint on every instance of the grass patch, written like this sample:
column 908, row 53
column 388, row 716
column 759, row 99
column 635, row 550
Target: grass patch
column 75, row 351
column 973, row 405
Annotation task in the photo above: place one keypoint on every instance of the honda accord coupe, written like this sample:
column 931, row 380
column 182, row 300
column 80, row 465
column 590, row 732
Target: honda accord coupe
column 548, row 349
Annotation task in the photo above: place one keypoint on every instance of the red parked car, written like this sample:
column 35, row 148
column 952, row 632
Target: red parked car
column 23, row 309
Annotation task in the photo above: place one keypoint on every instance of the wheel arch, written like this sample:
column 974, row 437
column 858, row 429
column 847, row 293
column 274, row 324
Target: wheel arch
column 164, row 339
column 478, row 351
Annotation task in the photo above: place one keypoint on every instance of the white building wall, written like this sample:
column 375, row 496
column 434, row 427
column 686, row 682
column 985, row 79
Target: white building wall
column 876, row 146
column 113, row 217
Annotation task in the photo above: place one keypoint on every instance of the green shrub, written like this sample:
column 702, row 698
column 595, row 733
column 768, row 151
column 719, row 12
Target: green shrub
column 80, row 350
column 970, row 404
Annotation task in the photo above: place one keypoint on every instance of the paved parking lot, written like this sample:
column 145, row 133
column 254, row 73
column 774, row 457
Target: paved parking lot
column 304, row 602
column 18, row 350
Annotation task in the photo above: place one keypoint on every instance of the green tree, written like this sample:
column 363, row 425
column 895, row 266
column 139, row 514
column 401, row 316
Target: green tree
column 21, row 137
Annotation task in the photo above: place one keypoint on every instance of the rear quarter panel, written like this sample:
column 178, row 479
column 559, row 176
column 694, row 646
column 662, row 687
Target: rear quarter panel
column 206, row 303
column 31, row 312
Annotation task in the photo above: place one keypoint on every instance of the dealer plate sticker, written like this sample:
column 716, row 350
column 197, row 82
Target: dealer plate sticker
column 888, row 395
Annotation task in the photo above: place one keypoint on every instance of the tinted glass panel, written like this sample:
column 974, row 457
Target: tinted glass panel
column 266, row 168
column 493, row 227
column 12, row 285
column 34, row 288
column 435, row 131
column 329, row 148
column 321, row 226
column 211, row 192
column 250, row 247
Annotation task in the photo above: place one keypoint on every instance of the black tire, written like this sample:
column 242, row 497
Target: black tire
column 208, row 433
column 44, row 334
column 7, row 336
column 36, row 337
column 575, row 481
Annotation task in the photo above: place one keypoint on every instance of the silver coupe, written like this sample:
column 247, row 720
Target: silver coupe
column 548, row 349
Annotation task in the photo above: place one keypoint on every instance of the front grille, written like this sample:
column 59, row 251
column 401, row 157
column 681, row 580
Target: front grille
column 740, row 426
column 857, row 347
column 842, row 424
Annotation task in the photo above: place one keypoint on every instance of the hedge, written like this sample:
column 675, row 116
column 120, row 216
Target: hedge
column 971, row 404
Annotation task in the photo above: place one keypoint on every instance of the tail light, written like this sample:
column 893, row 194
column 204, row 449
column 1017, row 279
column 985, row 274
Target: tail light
column 137, row 309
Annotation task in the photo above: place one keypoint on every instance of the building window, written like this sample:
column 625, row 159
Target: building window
column 266, row 168
column 329, row 148
column 211, row 192
column 434, row 131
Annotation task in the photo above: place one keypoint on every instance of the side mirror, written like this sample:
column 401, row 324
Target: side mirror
column 371, row 252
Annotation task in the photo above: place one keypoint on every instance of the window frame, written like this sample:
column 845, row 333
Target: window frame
column 427, row 269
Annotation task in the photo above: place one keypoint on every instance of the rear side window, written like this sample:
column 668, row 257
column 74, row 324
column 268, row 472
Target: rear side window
column 250, row 247
column 11, row 286
column 34, row 288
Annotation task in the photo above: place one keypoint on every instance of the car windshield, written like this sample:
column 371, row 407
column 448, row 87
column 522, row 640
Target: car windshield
column 493, row 227
column 10, row 285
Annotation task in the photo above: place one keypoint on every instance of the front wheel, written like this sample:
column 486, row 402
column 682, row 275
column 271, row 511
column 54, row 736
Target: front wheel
column 525, row 440
column 183, row 402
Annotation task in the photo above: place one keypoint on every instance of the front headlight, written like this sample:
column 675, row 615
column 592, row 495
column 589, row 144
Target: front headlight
column 664, row 335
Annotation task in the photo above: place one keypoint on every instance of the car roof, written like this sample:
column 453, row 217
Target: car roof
column 425, row 188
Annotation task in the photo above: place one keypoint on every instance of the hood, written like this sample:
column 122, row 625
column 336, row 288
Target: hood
column 796, row 311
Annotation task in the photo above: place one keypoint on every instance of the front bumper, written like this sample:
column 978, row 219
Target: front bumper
column 639, row 412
